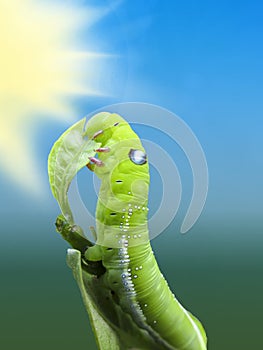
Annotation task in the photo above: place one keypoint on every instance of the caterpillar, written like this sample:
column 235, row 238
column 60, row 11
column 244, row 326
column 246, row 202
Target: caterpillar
column 127, row 287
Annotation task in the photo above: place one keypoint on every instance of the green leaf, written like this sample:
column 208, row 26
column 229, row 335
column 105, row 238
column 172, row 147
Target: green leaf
column 68, row 155
column 105, row 336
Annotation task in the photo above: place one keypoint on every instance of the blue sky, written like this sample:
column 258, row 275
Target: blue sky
column 203, row 61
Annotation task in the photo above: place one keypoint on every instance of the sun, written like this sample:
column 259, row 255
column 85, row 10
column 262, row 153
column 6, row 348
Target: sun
column 41, row 64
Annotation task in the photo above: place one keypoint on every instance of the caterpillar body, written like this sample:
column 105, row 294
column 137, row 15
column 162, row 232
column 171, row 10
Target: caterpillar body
column 127, row 287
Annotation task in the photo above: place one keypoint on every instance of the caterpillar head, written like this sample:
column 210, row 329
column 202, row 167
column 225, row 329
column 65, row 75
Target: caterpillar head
column 119, row 143
column 123, row 164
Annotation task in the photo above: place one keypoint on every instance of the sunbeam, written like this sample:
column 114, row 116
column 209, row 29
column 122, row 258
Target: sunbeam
column 41, row 64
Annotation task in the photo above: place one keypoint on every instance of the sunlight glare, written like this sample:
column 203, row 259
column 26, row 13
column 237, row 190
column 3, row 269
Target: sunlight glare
column 41, row 64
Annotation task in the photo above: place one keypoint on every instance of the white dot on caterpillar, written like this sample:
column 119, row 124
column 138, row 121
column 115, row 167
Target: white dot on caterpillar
column 123, row 209
column 140, row 267
column 143, row 208
column 139, row 236
column 135, row 276
column 139, row 207
column 123, row 217
column 135, row 236
column 145, row 305
column 129, row 237
column 135, row 206
column 154, row 322
column 129, row 192
column 129, row 270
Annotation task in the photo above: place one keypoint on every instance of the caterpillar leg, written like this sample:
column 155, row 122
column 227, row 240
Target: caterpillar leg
column 93, row 253
column 103, row 149
column 96, row 161
column 97, row 134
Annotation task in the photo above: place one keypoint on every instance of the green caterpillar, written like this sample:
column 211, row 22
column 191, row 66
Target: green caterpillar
column 127, row 286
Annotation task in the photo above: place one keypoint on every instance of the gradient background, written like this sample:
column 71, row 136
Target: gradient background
column 203, row 61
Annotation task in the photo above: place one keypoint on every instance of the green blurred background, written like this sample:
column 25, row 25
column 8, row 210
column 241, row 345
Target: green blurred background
column 203, row 61
column 215, row 270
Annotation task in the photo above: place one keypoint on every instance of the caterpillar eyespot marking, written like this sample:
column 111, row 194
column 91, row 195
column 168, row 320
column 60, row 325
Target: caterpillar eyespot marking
column 137, row 156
